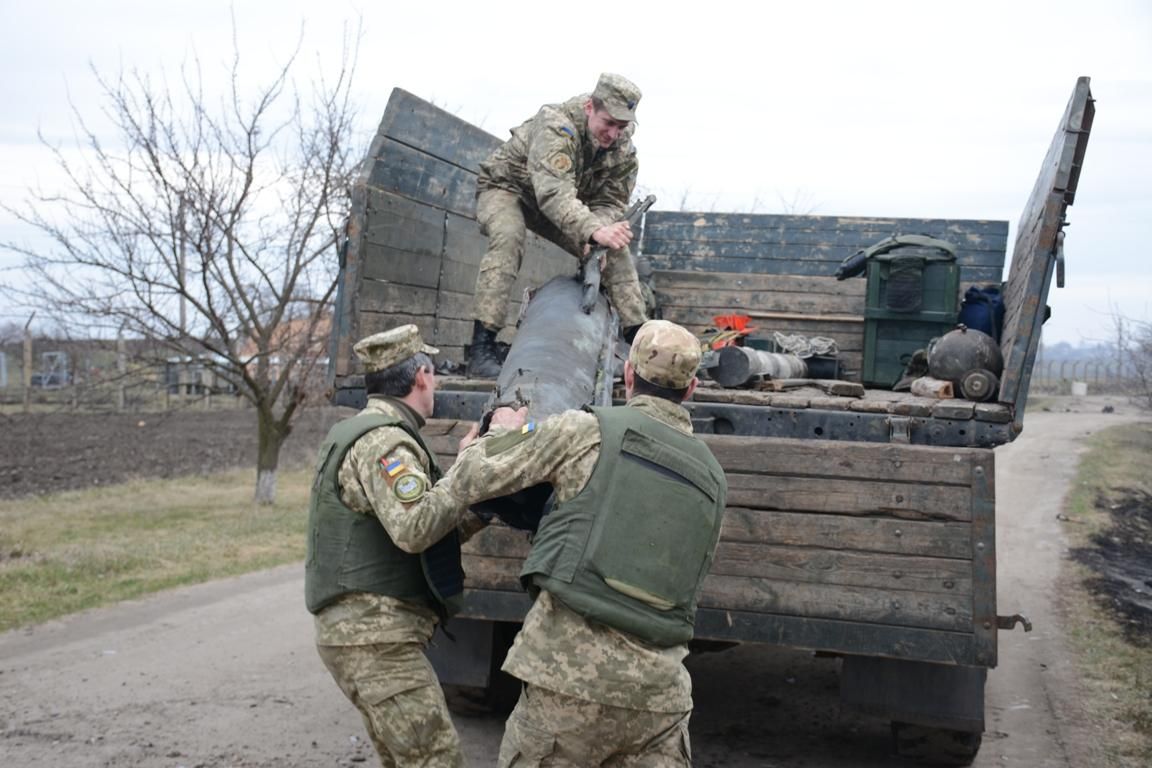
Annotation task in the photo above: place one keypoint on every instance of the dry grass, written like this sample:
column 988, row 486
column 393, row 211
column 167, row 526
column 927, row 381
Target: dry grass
column 76, row 550
column 1117, row 673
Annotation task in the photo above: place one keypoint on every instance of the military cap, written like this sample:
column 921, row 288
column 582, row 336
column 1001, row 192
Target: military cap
column 665, row 354
column 619, row 94
column 386, row 349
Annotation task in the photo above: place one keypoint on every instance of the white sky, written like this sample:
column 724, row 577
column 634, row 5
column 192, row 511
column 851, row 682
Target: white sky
column 911, row 109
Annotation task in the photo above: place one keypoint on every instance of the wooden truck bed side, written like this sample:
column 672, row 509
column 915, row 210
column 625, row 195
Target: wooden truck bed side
column 877, row 550
column 414, row 248
column 779, row 270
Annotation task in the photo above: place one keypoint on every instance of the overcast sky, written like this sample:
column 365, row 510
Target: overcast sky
column 908, row 109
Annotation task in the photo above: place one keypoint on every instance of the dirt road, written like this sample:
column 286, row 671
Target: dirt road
column 224, row 674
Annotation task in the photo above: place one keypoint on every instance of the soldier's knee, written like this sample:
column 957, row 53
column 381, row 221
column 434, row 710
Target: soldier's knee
column 505, row 229
column 618, row 267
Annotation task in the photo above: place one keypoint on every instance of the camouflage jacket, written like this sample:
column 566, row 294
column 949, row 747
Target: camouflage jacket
column 558, row 649
column 362, row 618
column 557, row 168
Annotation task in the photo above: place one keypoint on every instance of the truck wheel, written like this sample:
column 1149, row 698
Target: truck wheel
column 935, row 746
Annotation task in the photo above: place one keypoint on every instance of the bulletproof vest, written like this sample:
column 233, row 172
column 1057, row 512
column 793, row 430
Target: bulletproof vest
column 631, row 550
column 349, row 551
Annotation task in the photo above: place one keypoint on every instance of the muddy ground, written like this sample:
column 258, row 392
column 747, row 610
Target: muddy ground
column 49, row 452
column 224, row 674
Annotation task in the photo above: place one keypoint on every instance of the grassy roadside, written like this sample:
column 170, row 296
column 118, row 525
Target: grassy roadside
column 75, row 550
column 1116, row 673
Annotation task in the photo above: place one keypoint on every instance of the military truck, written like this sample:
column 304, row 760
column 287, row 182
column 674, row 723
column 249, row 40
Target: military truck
column 862, row 527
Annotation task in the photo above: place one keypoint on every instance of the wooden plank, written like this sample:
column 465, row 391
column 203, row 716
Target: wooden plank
column 705, row 262
column 375, row 322
column 495, row 563
column 1038, row 237
column 463, row 241
column 657, row 221
column 397, row 266
column 813, row 564
column 930, row 610
column 720, row 281
column 417, row 123
column 397, row 222
column 790, row 400
column 453, row 305
column 819, row 459
column 997, row 413
column 962, row 410
column 456, row 276
column 424, row 178
column 805, row 305
column 452, row 333
column 386, row 297
column 849, row 497
column 869, row 406
column 825, row 256
column 805, row 397
column 827, row 635
column 869, row 534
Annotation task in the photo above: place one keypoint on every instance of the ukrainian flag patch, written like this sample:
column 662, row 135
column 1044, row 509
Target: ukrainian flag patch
column 392, row 467
column 513, row 437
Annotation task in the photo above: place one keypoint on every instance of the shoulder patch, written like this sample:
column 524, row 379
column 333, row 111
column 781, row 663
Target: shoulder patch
column 561, row 163
column 409, row 487
column 391, row 467
column 513, row 437
column 568, row 131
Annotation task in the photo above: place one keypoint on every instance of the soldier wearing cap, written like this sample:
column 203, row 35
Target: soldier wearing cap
column 383, row 562
column 567, row 174
column 615, row 567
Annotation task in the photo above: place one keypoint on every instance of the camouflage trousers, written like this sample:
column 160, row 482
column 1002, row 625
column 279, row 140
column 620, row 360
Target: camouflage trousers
column 399, row 697
column 505, row 220
column 551, row 730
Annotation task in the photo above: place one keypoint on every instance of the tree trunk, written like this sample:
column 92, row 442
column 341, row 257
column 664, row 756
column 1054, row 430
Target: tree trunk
column 273, row 433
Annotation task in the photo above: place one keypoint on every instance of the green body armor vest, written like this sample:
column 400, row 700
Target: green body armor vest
column 352, row 552
column 631, row 550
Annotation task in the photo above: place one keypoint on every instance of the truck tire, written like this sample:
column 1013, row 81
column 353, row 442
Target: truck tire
column 935, row 746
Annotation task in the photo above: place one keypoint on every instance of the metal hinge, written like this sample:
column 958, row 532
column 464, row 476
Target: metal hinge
column 899, row 429
column 1010, row 622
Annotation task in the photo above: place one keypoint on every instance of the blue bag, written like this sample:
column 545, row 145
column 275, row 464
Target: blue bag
column 983, row 310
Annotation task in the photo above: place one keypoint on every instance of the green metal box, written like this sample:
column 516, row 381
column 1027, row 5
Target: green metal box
column 910, row 300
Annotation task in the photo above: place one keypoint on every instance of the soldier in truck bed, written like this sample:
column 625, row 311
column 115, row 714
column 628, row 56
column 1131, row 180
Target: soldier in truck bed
column 567, row 174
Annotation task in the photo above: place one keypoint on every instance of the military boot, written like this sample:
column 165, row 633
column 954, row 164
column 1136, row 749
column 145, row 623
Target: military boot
column 483, row 355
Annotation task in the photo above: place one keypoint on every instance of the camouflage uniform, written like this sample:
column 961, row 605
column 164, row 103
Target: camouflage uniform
column 372, row 643
column 552, row 177
column 593, row 695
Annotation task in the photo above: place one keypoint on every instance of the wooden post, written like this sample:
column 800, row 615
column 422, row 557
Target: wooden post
column 121, row 371
column 28, row 365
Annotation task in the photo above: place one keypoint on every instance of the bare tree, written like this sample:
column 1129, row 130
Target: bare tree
column 1134, row 345
column 207, row 224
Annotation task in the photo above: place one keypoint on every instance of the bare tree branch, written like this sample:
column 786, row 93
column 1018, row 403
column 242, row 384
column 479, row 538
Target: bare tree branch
column 207, row 224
